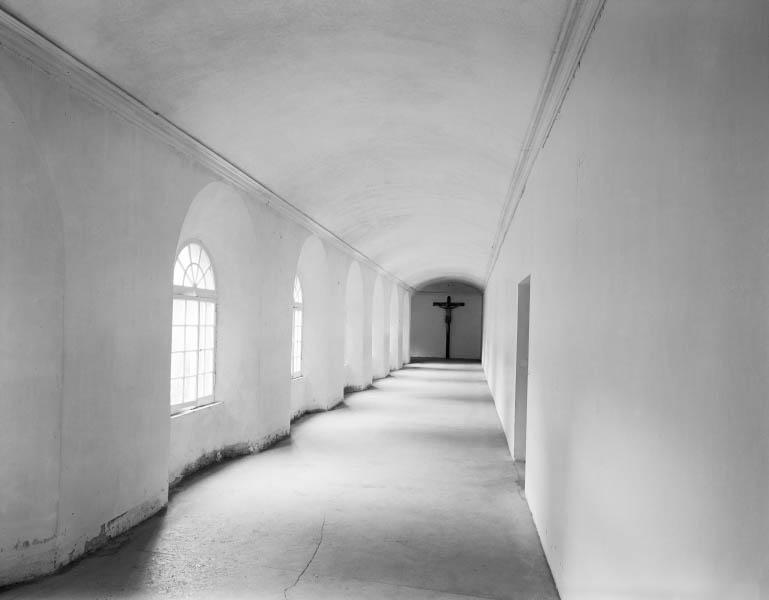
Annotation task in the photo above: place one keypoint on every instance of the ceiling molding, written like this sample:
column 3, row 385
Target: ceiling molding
column 578, row 25
column 34, row 48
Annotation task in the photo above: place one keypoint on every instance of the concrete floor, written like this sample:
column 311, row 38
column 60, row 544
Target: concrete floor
column 407, row 491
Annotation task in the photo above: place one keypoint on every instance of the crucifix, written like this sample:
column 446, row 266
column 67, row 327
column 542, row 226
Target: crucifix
column 448, row 306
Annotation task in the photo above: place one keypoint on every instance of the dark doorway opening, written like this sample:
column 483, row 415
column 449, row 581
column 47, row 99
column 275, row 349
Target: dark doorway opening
column 522, row 375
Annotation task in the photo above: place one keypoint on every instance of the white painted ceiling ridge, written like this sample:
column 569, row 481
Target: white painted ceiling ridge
column 576, row 29
column 31, row 46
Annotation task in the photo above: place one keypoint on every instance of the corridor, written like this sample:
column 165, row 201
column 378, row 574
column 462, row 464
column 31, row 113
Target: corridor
column 406, row 490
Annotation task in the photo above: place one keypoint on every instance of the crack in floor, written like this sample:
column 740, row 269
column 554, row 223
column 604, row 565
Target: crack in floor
column 309, row 562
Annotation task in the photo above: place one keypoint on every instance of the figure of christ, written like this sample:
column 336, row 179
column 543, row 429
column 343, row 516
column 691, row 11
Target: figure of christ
column 448, row 306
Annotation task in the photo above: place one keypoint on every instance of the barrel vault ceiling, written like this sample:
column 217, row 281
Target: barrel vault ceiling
column 396, row 124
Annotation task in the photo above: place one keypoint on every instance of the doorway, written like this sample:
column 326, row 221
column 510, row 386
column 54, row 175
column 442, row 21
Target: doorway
column 522, row 371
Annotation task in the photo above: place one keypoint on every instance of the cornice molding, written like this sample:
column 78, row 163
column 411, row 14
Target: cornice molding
column 34, row 48
column 576, row 28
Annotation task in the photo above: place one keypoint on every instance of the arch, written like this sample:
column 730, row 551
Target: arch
column 219, row 220
column 353, row 330
column 442, row 283
column 193, row 328
column 378, row 366
column 394, row 321
column 311, row 390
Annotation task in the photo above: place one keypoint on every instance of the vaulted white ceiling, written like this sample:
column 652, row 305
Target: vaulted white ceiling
column 396, row 124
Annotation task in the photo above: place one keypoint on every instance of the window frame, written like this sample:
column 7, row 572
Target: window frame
column 297, row 307
column 200, row 296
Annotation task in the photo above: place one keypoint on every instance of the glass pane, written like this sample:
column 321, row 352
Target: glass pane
column 208, row 388
column 201, row 386
column 177, row 364
column 191, row 338
column 184, row 257
column 211, row 313
column 297, row 364
column 188, row 281
column 297, row 319
column 177, row 391
column 208, row 338
column 192, row 312
column 195, row 250
column 178, row 312
column 190, row 389
column 209, row 361
column 207, row 313
column 204, row 261
column 177, row 338
column 210, row 280
column 178, row 273
column 297, row 290
column 195, row 274
column 190, row 364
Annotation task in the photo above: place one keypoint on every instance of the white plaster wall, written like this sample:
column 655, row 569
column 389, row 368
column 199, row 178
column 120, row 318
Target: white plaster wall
column 428, row 331
column 31, row 309
column 354, row 314
column 220, row 219
column 369, row 279
column 643, row 228
column 406, row 327
column 321, row 385
column 120, row 200
column 387, row 331
column 310, row 391
column 379, row 347
column 393, row 327
column 338, row 267
column 92, row 212
column 402, row 358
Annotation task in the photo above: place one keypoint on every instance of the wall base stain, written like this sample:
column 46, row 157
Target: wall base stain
column 351, row 389
column 111, row 531
column 61, row 559
column 228, row 452
column 303, row 412
column 120, row 524
column 27, row 543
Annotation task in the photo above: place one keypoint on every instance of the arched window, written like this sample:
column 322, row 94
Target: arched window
column 193, row 330
column 296, row 342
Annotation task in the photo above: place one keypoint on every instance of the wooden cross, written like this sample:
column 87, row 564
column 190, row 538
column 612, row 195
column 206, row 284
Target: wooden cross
column 448, row 306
